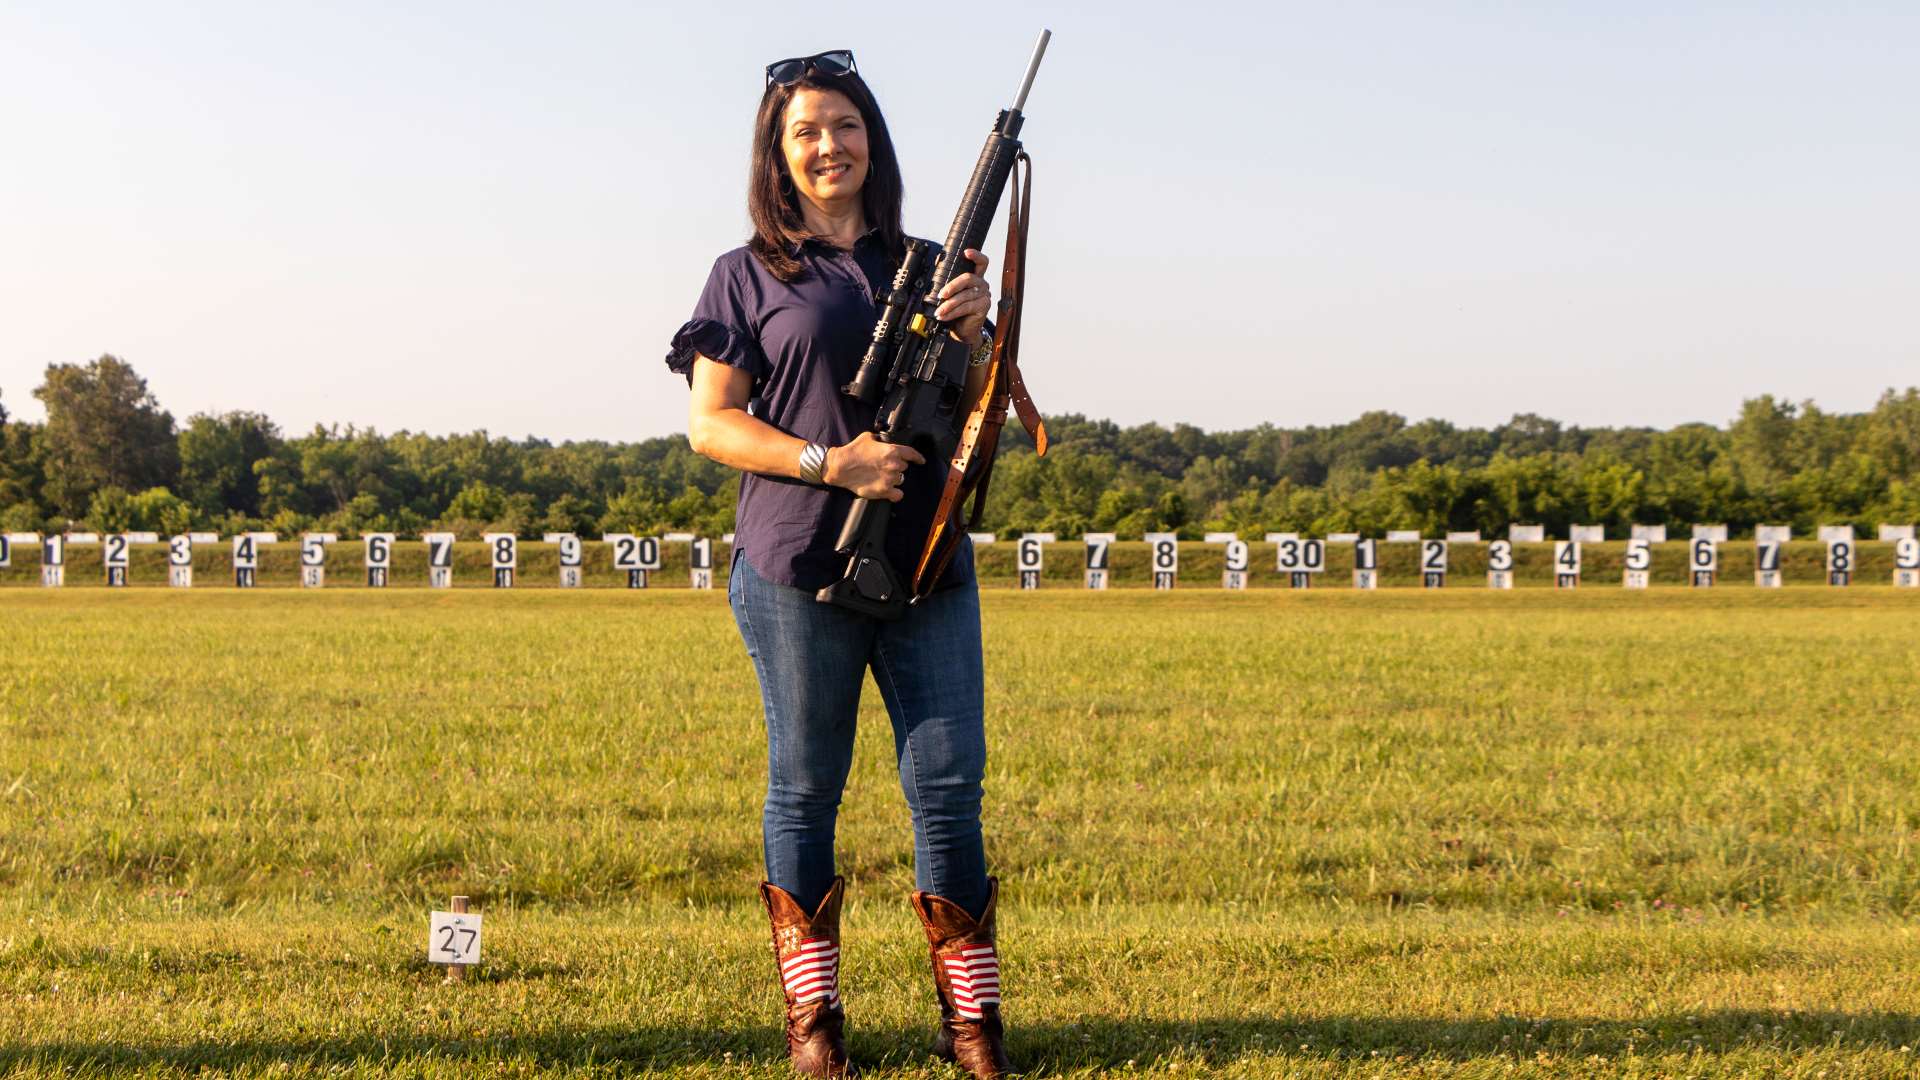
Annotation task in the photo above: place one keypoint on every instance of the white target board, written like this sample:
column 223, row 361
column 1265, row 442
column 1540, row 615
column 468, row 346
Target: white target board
column 636, row 555
column 1163, row 551
column 1703, row 562
column 700, row 562
column 503, row 555
column 246, row 559
column 1099, row 547
column 1906, row 563
column 53, row 560
column 379, row 557
column 1715, row 533
column 572, row 556
column 1299, row 559
column 439, row 559
column 1587, row 534
column 1366, row 563
column 1527, row 534
column 1566, row 564
column 115, row 557
column 1840, row 559
column 1029, row 554
column 180, row 561
column 1652, row 534
column 1637, row 568
column 453, row 937
column 1499, row 564
column 1766, row 563
column 313, row 559
column 1433, row 564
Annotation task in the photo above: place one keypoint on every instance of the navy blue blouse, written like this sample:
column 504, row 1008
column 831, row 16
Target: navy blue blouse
column 801, row 341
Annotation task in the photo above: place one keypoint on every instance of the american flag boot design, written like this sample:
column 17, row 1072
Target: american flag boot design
column 966, row 975
column 806, row 949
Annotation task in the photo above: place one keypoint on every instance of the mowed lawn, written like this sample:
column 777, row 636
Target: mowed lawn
column 1463, row 833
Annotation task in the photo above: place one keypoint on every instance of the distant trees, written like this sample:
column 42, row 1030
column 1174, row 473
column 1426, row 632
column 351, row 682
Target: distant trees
column 104, row 429
column 109, row 457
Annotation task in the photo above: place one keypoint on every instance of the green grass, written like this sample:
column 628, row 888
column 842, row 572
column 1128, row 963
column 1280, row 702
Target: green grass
column 1319, row 834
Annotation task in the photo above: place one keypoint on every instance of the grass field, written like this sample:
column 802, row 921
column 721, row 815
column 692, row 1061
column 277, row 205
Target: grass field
column 1317, row 834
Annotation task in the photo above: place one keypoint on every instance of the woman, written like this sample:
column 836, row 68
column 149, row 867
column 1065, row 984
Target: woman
column 780, row 327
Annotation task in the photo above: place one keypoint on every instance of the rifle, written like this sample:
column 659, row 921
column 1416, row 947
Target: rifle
column 919, row 405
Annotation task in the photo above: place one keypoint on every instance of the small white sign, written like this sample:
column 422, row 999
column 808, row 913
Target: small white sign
column 1894, row 533
column 1164, row 549
column 1343, row 538
column 503, row 549
column 1652, row 534
column 700, row 563
column 1472, row 537
column 1840, row 555
column 1527, row 534
column 1500, row 564
column 1830, row 533
column 1715, row 533
column 204, row 537
column 980, row 539
column 143, row 538
column 1906, row 562
column 453, row 937
column 83, row 538
column 1222, row 537
column 1403, row 536
column 23, row 538
column 1234, row 573
column 678, row 538
column 1299, row 559
column 1566, row 563
column 1028, row 556
column 1366, row 563
column 1638, row 565
column 1433, row 563
column 1098, row 545
column 1587, row 534
column 1772, row 534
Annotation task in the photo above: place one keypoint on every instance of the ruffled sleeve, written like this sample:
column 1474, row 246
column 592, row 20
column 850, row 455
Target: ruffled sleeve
column 723, row 326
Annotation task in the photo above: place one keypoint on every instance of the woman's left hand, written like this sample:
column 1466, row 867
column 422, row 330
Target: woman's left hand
column 966, row 300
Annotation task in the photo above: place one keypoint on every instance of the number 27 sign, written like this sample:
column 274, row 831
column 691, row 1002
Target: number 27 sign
column 453, row 937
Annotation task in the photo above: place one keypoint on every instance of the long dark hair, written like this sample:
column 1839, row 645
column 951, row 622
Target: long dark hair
column 774, row 205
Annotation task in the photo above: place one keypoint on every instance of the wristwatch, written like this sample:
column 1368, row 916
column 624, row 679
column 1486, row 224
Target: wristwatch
column 982, row 352
column 813, row 463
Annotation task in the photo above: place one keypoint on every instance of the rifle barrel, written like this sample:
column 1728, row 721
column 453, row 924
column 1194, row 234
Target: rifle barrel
column 1033, row 68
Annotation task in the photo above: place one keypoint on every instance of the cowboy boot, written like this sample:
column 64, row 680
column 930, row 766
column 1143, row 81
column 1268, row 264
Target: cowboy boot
column 966, row 975
column 807, row 950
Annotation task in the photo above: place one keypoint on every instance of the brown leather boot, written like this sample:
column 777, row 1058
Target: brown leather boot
column 807, row 950
column 966, row 975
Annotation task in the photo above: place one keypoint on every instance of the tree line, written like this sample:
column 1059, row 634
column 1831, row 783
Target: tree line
column 110, row 458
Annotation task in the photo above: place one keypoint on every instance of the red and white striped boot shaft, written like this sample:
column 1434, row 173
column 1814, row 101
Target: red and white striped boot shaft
column 966, row 976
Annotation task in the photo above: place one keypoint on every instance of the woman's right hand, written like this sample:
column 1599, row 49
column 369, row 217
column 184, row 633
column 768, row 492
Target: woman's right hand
column 870, row 468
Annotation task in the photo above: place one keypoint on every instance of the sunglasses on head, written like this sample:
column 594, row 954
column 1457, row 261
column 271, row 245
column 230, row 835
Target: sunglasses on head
column 788, row 72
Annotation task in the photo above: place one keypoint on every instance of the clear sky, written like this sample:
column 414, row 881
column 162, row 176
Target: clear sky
column 446, row 216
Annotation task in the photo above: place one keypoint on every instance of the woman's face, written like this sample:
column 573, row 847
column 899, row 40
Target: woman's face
column 826, row 146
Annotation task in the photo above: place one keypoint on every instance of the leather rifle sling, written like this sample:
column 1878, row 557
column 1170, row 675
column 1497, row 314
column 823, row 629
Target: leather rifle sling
column 972, row 463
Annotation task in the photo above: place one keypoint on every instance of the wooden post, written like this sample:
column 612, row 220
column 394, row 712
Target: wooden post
column 458, row 972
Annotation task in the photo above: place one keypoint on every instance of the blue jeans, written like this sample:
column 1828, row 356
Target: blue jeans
column 811, row 659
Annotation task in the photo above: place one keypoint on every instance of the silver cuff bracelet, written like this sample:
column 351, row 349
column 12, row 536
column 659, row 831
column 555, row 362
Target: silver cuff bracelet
column 813, row 462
